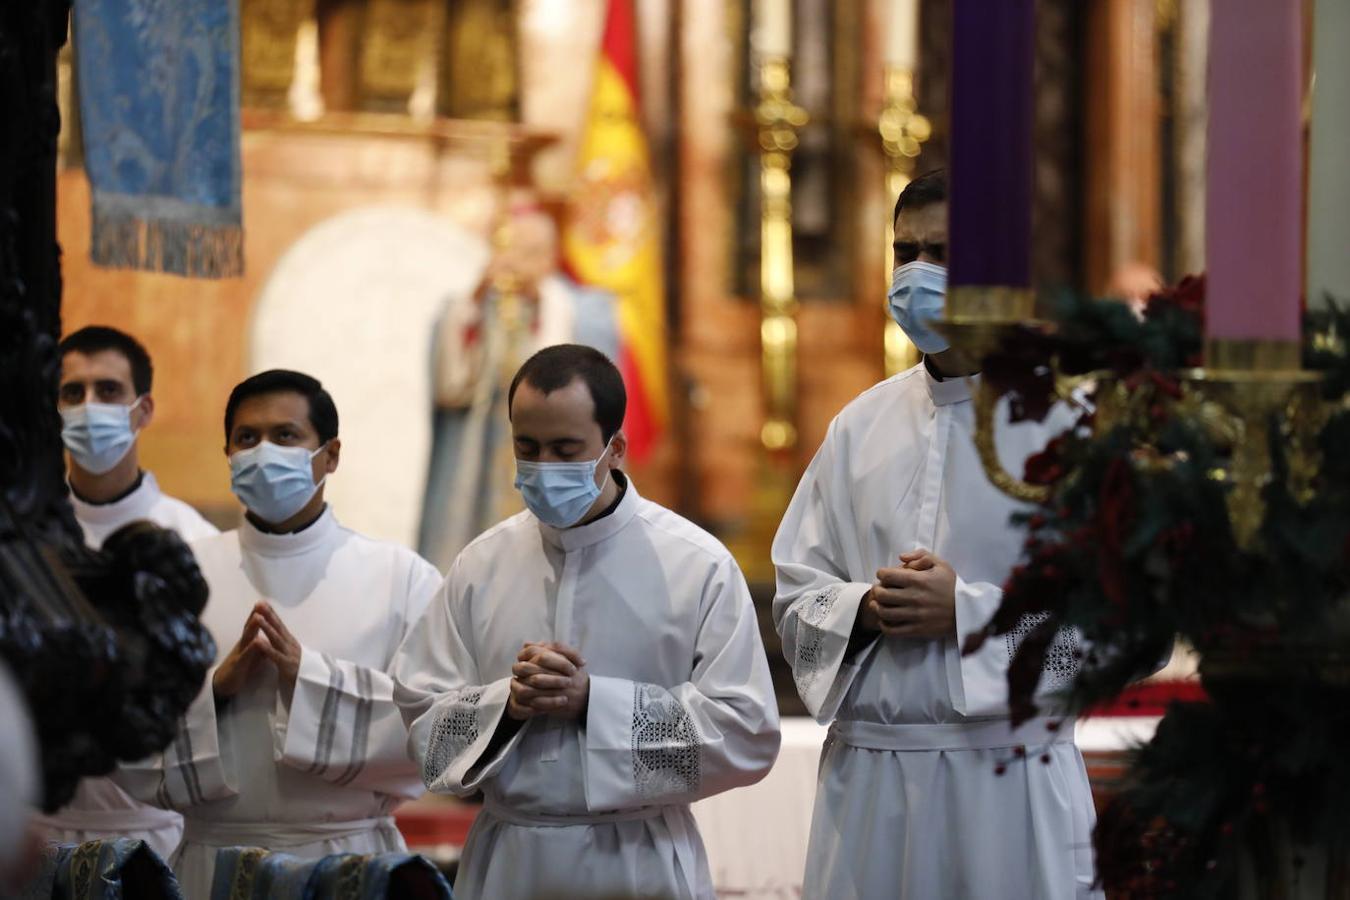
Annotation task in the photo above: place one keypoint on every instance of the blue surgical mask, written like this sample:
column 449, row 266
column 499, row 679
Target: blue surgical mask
column 560, row 493
column 917, row 298
column 274, row 482
column 98, row 435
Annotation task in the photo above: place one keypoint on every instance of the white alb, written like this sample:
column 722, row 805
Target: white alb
column 321, row 771
column 924, row 790
column 681, row 705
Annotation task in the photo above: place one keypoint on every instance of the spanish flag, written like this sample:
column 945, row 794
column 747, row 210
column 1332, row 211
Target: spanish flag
column 612, row 234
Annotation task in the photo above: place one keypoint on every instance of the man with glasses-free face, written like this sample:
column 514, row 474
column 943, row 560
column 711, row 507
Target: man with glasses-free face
column 105, row 403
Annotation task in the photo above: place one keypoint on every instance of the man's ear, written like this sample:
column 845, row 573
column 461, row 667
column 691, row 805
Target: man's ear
column 145, row 413
column 618, row 449
column 331, row 454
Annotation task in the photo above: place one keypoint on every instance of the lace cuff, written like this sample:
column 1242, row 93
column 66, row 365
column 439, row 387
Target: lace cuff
column 983, row 675
column 458, row 729
column 642, row 746
column 665, row 744
column 818, row 644
column 454, row 729
column 1062, row 659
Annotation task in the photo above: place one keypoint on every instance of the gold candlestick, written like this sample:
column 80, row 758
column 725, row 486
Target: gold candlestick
column 903, row 131
column 976, row 321
column 777, row 120
column 1246, row 389
column 1248, row 394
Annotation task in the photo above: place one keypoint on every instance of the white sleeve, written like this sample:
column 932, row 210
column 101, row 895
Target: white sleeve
column 342, row 723
column 344, row 727
column 195, row 768
column 816, row 604
column 451, row 717
column 982, row 688
column 650, row 744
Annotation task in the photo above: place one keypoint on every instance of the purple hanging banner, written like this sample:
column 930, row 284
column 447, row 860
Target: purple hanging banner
column 991, row 146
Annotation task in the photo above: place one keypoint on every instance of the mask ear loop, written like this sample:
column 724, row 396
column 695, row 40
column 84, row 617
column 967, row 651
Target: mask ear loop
column 318, row 484
column 135, row 432
column 608, row 470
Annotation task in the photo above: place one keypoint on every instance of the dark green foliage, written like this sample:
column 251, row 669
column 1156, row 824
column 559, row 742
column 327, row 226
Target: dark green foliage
column 1135, row 549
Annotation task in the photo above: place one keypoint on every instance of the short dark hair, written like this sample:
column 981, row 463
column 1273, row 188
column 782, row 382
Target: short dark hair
column 97, row 338
column 927, row 189
column 323, row 414
column 554, row 368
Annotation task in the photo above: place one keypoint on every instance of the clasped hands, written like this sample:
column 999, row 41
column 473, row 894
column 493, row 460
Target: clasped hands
column 548, row 679
column 264, row 638
column 915, row 600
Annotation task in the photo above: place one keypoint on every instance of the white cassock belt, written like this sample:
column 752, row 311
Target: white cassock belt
column 135, row 819
column 676, row 818
column 981, row 734
column 279, row 835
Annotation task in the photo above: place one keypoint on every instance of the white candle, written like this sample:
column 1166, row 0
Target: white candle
column 1329, row 178
column 773, row 27
column 902, row 35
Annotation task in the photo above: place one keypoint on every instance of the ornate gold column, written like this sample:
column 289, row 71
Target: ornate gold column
column 777, row 120
column 903, row 132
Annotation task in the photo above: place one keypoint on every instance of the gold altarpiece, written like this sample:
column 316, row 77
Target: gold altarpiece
column 456, row 59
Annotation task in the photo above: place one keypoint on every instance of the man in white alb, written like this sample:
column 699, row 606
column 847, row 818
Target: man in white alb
column 294, row 743
column 592, row 665
column 105, row 403
column 891, row 552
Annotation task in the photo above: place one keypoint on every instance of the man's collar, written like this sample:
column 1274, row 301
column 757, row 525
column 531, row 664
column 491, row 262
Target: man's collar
column 622, row 481
column 135, row 486
column 944, row 391
column 305, row 539
column 599, row 529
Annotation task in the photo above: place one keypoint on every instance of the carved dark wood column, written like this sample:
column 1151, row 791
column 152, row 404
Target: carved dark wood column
column 106, row 645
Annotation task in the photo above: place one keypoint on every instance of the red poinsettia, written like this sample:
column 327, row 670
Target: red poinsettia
column 1186, row 296
column 1047, row 466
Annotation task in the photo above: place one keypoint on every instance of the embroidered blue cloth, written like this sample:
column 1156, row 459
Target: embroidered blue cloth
column 251, row 873
column 118, row 869
column 159, row 108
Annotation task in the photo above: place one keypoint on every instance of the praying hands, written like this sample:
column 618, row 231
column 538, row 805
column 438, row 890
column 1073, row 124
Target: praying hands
column 550, row 679
column 265, row 637
column 916, row 600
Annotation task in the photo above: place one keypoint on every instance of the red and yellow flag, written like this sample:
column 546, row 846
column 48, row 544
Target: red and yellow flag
column 612, row 237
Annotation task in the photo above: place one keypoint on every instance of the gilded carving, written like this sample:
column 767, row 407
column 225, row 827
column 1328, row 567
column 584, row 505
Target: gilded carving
column 480, row 70
column 396, row 47
column 268, row 35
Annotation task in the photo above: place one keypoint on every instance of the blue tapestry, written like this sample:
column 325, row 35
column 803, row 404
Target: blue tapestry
column 116, row 869
column 159, row 108
column 251, row 873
